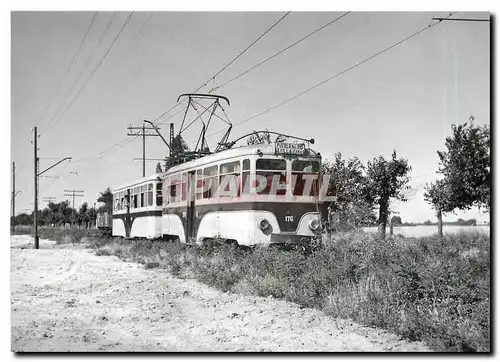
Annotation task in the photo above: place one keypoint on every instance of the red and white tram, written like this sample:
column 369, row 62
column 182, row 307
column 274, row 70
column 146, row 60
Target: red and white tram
column 251, row 195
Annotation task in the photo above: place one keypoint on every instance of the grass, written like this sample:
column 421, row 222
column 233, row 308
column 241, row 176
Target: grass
column 427, row 289
column 60, row 235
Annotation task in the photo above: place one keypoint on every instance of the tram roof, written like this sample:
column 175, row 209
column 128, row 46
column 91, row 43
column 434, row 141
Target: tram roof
column 153, row 177
column 235, row 152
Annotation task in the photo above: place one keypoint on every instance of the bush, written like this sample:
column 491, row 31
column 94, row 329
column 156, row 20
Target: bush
column 429, row 289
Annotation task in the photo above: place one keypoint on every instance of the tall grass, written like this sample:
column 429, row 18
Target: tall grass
column 60, row 235
column 429, row 289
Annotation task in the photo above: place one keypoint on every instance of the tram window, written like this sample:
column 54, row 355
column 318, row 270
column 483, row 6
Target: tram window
column 230, row 170
column 142, row 204
column 134, row 201
column 150, row 194
column 230, row 167
column 268, row 172
column 175, row 188
column 184, row 186
column 303, row 172
column 210, row 177
column 120, row 198
column 245, row 177
column 305, row 166
column 199, row 184
column 159, row 195
column 270, row 164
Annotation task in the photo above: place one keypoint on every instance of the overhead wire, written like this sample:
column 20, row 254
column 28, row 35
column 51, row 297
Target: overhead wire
column 358, row 64
column 227, row 65
column 98, row 65
column 244, row 51
column 82, row 42
column 82, row 71
column 283, row 50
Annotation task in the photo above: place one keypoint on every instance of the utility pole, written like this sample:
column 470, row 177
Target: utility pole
column 142, row 132
column 13, row 196
column 74, row 193
column 36, row 176
column 35, row 205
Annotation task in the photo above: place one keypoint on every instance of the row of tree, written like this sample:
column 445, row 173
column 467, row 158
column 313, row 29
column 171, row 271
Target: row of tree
column 60, row 214
column 362, row 189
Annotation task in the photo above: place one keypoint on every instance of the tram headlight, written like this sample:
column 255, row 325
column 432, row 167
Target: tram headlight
column 264, row 224
column 314, row 225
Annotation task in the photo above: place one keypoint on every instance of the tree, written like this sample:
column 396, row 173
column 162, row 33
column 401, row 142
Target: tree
column 465, row 165
column 158, row 168
column 437, row 195
column 396, row 220
column 83, row 214
column 387, row 179
column 354, row 204
column 107, row 198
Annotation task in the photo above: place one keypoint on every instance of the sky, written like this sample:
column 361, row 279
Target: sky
column 405, row 99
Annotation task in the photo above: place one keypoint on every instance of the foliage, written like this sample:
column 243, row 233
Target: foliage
column 59, row 214
column 434, row 290
column 396, row 220
column 437, row 195
column 465, row 165
column 106, row 198
column 354, row 203
column 387, row 179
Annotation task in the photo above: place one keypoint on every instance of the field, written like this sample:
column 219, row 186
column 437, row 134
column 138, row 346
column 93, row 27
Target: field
column 429, row 230
column 422, row 289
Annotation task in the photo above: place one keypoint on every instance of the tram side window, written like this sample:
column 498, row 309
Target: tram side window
column 143, row 196
column 245, row 177
column 305, row 178
column 126, row 200
column 150, row 195
column 228, row 172
column 120, row 200
column 175, row 188
column 199, row 184
column 184, row 185
column 135, row 197
column 210, row 179
column 269, row 171
column 159, row 195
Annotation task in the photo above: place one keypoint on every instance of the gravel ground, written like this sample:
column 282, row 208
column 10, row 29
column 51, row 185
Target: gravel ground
column 68, row 299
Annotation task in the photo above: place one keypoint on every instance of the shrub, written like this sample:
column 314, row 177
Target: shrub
column 431, row 289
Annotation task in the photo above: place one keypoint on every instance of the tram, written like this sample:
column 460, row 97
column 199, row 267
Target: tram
column 137, row 208
column 250, row 195
column 258, row 194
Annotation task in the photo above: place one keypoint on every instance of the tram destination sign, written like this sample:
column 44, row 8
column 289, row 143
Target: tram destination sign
column 289, row 148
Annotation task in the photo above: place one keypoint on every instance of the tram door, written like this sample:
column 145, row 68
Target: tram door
column 190, row 206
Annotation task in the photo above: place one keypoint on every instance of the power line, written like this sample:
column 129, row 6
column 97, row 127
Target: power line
column 283, row 50
column 228, row 64
column 337, row 74
column 243, row 51
column 98, row 64
column 107, row 150
column 79, row 75
column 72, row 63
column 145, row 23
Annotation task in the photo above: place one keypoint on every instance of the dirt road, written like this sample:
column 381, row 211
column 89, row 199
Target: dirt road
column 68, row 299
